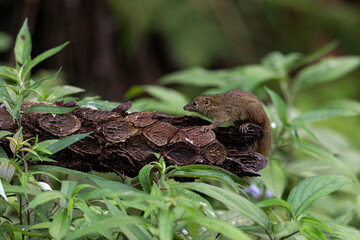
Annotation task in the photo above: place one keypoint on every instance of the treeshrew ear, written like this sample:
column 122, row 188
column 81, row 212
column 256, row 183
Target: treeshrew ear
column 207, row 102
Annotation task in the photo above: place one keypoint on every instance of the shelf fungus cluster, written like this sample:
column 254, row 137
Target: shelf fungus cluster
column 124, row 143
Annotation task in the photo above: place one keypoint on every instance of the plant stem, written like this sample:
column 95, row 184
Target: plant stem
column 287, row 236
column 269, row 235
column 277, row 140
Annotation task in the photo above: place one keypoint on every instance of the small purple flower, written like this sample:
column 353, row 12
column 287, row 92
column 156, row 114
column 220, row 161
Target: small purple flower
column 253, row 190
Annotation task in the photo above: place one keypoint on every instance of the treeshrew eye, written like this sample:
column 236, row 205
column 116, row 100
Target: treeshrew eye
column 195, row 103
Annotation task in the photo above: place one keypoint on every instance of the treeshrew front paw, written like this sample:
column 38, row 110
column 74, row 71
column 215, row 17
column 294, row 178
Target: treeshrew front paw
column 244, row 128
column 205, row 128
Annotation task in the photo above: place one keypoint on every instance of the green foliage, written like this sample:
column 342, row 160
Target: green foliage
column 293, row 136
column 290, row 201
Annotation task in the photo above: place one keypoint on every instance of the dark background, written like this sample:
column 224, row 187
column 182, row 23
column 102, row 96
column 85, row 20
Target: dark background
column 116, row 44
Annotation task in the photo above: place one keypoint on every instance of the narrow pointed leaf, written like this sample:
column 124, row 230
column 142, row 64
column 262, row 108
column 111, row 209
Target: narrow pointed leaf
column 326, row 70
column 45, row 197
column 60, row 224
column 343, row 232
column 318, row 53
column 274, row 177
column 166, row 222
column 144, row 177
column 7, row 171
column 23, row 44
column 43, row 56
column 7, row 75
column 321, row 114
column 38, row 83
column 231, row 200
column 204, row 77
column 222, row 227
column 106, row 223
column 65, row 142
column 204, row 173
column 4, row 133
column 278, row 103
column 276, row 202
column 50, row 109
column 19, row 189
column 286, row 228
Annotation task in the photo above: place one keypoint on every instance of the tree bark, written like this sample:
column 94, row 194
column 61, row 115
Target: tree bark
column 124, row 142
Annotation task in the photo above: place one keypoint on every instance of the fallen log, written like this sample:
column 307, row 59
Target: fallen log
column 124, row 142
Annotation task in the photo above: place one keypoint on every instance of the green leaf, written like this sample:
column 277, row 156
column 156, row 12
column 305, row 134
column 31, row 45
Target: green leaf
column 132, row 232
column 321, row 114
column 255, row 230
column 197, row 76
column 58, row 92
column 251, row 76
column 204, row 173
column 169, row 100
column 22, row 230
column 326, row 70
column 4, row 133
column 207, row 208
column 166, row 222
column 96, row 194
column 274, row 177
column 41, row 225
column 349, row 104
column 145, row 178
column 15, row 111
column 50, row 109
column 5, row 97
column 6, row 74
column 118, row 187
column 276, row 202
column 291, row 60
column 20, row 189
column 234, row 177
column 7, row 171
column 65, row 142
column 318, row 53
column 106, row 223
column 91, row 102
column 23, row 45
column 286, row 228
column 326, row 156
column 3, row 154
column 312, row 188
column 91, row 214
column 275, row 62
column 343, row 232
column 193, row 229
column 45, row 197
column 67, row 188
column 279, row 104
column 231, row 200
column 316, row 223
column 60, row 224
column 221, row 227
column 38, row 83
column 43, row 56
column 311, row 232
column 78, row 174
column 79, row 188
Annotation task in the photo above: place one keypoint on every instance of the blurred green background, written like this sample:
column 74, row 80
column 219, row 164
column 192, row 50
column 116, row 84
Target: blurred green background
column 116, row 44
